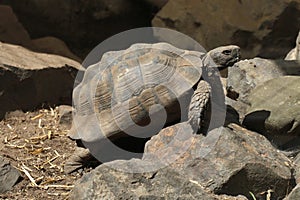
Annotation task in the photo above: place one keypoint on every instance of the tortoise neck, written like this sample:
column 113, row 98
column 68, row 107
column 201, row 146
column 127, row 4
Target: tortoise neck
column 208, row 61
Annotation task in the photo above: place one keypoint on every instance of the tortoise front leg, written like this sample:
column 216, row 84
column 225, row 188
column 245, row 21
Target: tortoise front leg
column 81, row 158
column 198, row 104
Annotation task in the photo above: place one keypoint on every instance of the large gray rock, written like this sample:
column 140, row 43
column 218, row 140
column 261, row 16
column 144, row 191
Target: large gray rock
column 229, row 160
column 28, row 79
column 275, row 110
column 107, row 183
column 294, row 54
column 180, row 165
column 261, row 28
column 8, row 175
column 245, row 75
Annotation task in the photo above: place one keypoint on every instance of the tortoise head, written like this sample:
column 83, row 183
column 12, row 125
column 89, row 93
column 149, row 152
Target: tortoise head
column 224, row 56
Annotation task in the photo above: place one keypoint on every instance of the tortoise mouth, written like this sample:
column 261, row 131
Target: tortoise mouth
column 232, row 61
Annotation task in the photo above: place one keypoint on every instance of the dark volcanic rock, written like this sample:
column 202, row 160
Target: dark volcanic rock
column 8, row 176
column 29, row 80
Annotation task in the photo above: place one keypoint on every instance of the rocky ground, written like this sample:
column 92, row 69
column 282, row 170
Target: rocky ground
column 254, row 156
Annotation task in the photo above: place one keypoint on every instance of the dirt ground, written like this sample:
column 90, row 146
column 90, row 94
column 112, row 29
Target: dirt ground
column 37, row 145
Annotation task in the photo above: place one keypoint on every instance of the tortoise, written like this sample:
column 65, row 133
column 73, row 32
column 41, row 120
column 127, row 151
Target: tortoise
column 119, row 94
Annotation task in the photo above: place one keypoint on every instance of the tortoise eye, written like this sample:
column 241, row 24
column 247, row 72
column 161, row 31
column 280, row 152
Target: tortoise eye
column 227, row 52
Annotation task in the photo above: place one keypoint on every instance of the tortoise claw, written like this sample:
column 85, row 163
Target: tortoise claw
column 82, row 158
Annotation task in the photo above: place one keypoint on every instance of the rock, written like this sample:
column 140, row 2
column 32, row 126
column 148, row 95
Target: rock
column 256, row 26
column 245, row 75
column 172, row 144
column 179, row 165
column 294, row 194
column 275, row 110
column 11, row 30
column 296, row 164
column 107, row 183
column 294, row 54
column 81, row 24
column 53, row 45
column 228, row 161
column 28, row 79
column 9, row 176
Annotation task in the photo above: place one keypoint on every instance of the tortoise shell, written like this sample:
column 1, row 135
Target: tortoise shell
column 120, row 93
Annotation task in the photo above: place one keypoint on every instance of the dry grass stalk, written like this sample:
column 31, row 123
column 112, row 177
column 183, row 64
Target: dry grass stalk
column 29, row 176
column 15, row 146
column 40, row 123
column 42, row 137
column 58, row 186
column 37, row 117
column 9, row 126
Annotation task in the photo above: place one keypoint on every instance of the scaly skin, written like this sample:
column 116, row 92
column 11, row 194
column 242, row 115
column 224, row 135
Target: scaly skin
column 220, row 58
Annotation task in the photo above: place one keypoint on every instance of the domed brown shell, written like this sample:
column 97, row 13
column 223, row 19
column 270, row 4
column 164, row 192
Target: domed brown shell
column 118, row 93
